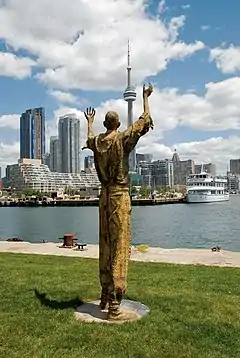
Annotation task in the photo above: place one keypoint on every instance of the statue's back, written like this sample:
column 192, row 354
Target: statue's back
column 111, row 161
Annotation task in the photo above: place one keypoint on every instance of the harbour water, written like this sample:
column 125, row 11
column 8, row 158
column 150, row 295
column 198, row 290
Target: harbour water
column 167, row 226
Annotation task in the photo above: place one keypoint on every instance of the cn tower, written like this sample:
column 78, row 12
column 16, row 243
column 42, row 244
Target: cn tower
column 130, row 96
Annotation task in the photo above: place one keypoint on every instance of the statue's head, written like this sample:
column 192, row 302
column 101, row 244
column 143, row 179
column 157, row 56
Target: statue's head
column 111, row 121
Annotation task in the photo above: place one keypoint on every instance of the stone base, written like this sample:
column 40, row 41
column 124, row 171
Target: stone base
column 91, row 312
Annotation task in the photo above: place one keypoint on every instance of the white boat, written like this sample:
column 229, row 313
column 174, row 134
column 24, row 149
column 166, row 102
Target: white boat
column 205, row 188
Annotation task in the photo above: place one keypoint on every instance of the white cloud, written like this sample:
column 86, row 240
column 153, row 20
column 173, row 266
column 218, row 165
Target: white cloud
column 10, row 121
column 187, row 6
column 205, row 27
column 227, row 59
column 64, row 97
column 161, row 7
column 13, row 66
column 77, row 45
column 218, row 110
column 9, row 153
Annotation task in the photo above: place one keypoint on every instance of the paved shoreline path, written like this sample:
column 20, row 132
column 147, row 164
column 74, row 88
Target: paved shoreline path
column 153, row 254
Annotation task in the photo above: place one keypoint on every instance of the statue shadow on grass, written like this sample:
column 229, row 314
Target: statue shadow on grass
column 76, row 304
column 55, row 304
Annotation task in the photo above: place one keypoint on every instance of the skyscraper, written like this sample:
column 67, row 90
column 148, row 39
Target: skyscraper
column 32, row 133
column 54, row 154
column 182, row 168
column 143, row 158
column 130, row 96
column 69, row 144
column 162, row 171
column 235, row 166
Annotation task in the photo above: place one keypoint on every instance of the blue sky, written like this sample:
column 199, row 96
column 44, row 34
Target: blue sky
column 214, row 23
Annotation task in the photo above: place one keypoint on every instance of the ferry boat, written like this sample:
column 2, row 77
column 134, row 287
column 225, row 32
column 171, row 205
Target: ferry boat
column 205, row 188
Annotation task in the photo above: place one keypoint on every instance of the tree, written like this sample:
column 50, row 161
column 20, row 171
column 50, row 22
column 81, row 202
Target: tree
column 133, row 190
column 32, row 192
column 71, row 191
column 161, row 189
column 144, row 191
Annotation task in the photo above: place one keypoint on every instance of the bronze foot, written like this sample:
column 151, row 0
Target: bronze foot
column 122, row 316
column 103, row 305
column 104, row 301
column 116, row 313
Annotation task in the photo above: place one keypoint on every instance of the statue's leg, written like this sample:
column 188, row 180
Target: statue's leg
column 120, row 234
column 104, row 251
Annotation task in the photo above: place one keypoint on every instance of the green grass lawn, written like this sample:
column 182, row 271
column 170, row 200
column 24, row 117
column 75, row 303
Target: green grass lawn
column 195, row 311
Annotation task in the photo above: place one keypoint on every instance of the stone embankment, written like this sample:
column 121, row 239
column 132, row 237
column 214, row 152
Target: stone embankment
column 152, row 254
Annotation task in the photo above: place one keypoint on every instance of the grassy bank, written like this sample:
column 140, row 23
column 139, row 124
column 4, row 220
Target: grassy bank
column 195, row 311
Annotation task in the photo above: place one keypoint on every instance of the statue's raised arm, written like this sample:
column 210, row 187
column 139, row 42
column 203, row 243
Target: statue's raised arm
column 142, row 125
column 145, row 122
column 146, row 110
column 90, row 116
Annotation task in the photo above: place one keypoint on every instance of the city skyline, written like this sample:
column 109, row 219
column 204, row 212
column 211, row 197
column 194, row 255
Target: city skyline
column 189, row 50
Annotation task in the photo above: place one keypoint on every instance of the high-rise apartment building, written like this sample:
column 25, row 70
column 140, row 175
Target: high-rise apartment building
column 163, row 173
column 182, row 169
column 143, row 158
column 235, row 166
column 157, row 174
column 32, row 133
column 31, row 174
column 233, row 183
column 69, row 144
column 54, row 154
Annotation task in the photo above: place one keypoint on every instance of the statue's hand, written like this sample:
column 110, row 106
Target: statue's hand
column 151, row 123
column 147, row 91
column 90, row 114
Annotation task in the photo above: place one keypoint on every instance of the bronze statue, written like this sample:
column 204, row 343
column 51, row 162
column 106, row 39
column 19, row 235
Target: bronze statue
column 111, row 153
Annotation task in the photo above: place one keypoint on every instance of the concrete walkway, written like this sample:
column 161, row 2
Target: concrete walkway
column 153, row 254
